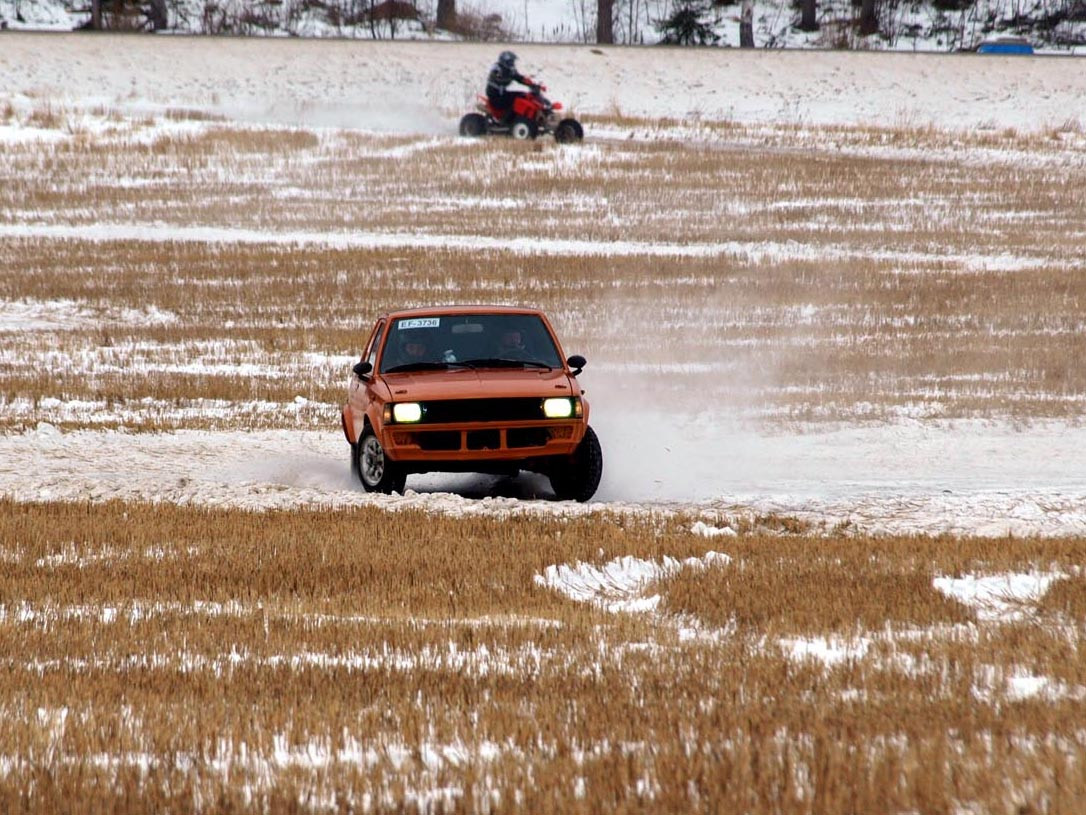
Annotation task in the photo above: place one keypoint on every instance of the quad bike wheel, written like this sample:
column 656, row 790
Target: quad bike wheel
column 376, row 472
column 578, row 477
column 569, row 131
column 473, row 125
column 523, row 129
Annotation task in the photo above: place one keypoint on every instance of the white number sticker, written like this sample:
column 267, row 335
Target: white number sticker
column 419, row 322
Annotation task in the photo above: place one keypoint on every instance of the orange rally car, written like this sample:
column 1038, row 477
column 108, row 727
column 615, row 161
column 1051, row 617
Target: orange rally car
column 469, row 389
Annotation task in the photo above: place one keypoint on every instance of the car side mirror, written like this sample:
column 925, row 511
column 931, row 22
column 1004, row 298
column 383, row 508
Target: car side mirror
column 362, row 369
column 577, row 362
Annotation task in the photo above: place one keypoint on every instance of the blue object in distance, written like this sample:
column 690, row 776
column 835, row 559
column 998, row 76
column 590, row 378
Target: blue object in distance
column 1007, row 46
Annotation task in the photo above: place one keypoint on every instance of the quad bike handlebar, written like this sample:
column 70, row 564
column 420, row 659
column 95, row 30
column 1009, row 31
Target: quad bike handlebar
column 537, row 89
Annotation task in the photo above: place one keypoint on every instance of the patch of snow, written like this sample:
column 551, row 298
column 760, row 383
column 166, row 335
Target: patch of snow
column 619, row 585
column 22, row 134
column 150, row 315
column 1018, row 684
column 478, row 662
column 61, row 315
column 999, row 597
column 707, row 531
column 43, row 315
column 828, row 650
column 380, row 240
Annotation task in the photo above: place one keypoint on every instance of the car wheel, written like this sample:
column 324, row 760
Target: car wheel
column 375, row 470
column 523, row 129
column 473, row 125
column 578, row 477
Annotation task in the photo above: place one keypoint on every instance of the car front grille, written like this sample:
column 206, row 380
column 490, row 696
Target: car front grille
column 484, row 439
column 436, row 440
column 529, row 436
column 449, row 411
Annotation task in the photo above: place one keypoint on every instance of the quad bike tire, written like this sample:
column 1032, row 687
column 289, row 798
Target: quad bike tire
column 373, row 468
column 569, row 131
column 578, row 477
column 473, row 125
column 523, row 129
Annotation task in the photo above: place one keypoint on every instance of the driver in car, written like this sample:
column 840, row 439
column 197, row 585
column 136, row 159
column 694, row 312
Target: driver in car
column 413, row 349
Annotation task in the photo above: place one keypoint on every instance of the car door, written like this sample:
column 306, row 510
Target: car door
column 362, row 388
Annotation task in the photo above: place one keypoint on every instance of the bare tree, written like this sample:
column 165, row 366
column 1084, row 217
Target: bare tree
column 869, row 18
column 96, row 15
column 157, row 15
column 446, row 14
column 582, row 19
column 631, row 15
column 808, row 21
column 746, row 24
column 605, row 21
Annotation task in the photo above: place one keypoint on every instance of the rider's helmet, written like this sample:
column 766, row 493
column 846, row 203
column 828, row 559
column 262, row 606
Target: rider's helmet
column 507, row 59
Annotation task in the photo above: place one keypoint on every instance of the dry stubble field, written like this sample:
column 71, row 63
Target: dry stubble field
column 206, row 274
column 171, row 272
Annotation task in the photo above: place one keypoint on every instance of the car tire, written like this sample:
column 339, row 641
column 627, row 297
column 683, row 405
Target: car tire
column 473, row 125
column 578, row 477
column 523, row 129
column 375, row 470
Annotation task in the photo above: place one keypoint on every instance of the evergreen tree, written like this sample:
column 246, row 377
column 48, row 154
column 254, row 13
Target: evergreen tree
column 687, row 24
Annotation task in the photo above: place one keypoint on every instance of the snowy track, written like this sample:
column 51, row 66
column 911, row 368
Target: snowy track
column 978, row 479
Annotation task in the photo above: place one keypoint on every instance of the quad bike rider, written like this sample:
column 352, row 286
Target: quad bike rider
column 516, row 113
column 502, row 74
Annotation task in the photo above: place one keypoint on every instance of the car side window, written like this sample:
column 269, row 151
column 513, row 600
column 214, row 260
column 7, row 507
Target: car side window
column 371, row 357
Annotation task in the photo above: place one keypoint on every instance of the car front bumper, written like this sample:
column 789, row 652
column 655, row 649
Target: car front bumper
column 481, row 442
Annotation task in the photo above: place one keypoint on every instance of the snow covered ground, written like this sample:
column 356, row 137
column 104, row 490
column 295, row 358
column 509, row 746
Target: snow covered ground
column 425, row 86
column 960, row 478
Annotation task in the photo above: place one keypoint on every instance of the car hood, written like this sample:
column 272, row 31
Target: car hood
column 467, row 383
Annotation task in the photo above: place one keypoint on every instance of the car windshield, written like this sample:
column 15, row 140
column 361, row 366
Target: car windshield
column 469, row 341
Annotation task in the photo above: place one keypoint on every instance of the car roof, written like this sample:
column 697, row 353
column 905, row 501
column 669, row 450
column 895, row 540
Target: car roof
column 442, row 311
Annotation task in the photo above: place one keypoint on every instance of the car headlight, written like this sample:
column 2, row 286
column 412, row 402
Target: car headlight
column 407, row 412
column 561, row 408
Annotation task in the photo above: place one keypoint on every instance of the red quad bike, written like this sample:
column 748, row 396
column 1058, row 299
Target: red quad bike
column 532, row 115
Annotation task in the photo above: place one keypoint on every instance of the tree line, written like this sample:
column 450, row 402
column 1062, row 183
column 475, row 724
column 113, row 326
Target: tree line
column 679, row 22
